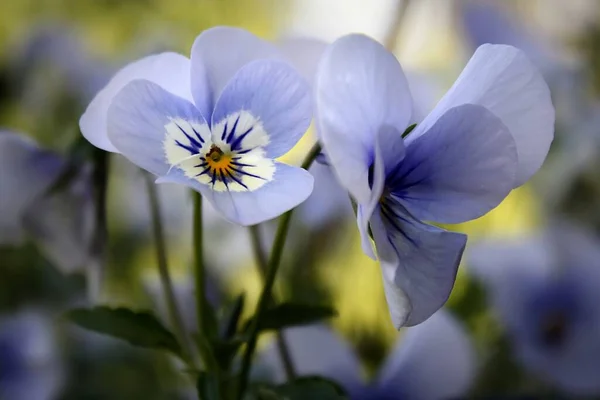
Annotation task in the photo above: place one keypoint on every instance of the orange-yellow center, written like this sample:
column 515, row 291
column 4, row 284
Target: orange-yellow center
column 217, row 160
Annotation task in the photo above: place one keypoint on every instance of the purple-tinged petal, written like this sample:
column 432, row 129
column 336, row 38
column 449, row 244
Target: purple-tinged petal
column 62, row 223
column 432, row 361
column 288, row 187
column 418, row 261
column 30, row 368
column 273, row 93
column 304, row 54
column 503, row 80
column 315, row 350
column 458, row 170
column 361, row 89
column 140, row 116
column 171, row 71
column 217, row 55
column 26, row 172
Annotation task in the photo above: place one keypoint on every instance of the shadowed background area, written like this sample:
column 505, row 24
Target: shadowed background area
column 523, row 317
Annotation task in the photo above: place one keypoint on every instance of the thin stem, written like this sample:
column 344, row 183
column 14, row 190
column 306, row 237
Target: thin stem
column 273, row 267
column 101, row 164
column 261, row 263
column 163, row 271
column 199, row 262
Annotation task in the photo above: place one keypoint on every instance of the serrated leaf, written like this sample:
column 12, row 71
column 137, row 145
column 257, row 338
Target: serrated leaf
column 139, row 328
column 290, row 314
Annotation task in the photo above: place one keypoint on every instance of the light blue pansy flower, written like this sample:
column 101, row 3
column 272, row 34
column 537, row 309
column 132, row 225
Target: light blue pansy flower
column 30, row 368
column 487, row 135
column 215, row 122
column 59, row 220
column 435, row 360
column 544, row 290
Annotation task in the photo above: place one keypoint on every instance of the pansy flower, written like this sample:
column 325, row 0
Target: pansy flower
column 30, row 368
column 435, row 360
column 544, row 291
column 215, row 122
column 59, row 218
column 487, row 135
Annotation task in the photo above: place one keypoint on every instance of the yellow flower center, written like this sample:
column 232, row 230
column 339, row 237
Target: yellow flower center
column 219, row 162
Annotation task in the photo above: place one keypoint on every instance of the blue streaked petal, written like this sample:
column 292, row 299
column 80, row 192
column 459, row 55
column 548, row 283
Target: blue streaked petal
column 171, row 71
column 315, row 350
column 217, row 55
column 419, row 263
column 277, row 95
column 458, row 170
column 26, row 172
column 503, row 80
column 288, row 187
column 62, row 224
column 360, row 89
column 434, row 360
column 137, row 119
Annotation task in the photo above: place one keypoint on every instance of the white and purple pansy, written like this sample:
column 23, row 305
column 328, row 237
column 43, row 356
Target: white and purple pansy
column 489, row 134
column 433, row 361
column 215, row 122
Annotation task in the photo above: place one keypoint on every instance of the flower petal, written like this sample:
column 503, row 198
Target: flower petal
column 289, row 187
column 418, row 261
column 460, row 169
column 62, row 223
column 315, row 350
column 304, row 54
column 137, row 120
column 171, row 71
column 435, row 360
column 275, row 94
column 217, row 55
column 26, row 171
column 360, row 90
column 503, row 80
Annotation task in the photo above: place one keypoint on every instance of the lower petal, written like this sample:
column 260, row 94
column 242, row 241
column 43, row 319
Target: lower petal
column 288, row 187
column 419, row 263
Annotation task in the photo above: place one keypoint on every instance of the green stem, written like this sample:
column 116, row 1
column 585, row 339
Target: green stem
column 101, row 164
column 198, row 248
column 163, row 271
column 261, row 262
column 272, row 268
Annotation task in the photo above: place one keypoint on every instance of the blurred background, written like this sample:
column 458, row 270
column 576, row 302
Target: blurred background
column 533, row 333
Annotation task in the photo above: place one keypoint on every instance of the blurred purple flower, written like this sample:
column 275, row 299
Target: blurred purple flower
column 215, row 122
column 30, row 368
column 490, row 133
column 544, row 289
column 61, row 221
column 434, row 360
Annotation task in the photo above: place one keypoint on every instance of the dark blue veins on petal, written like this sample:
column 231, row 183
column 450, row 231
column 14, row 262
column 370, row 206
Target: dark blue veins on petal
column 233, row 139
column 195, row 143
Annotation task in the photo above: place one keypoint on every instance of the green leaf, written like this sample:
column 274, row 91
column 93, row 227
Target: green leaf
column 141, row 328
column 309, row 387
column 208, row 386
column 289, row 314
column 408, row 130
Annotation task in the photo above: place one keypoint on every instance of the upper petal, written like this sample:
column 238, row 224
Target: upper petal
column 287, row 188
column 138, row 119
column 419, row 263
column 503, row 80
column 458, row 170
column 26, row 172
column 360, row 89
column 431, row 361
column 315, row 350
column 217, row 55
column 171, row 71
column 274, row 93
